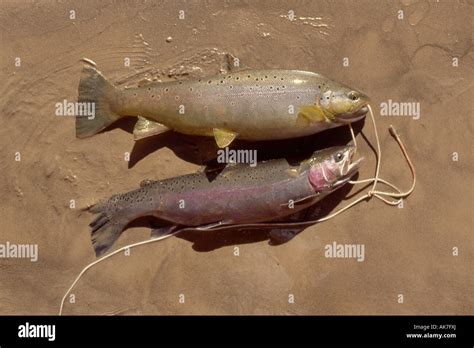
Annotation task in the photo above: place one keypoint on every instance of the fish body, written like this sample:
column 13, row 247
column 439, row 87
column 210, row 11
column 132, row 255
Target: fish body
column 247, row 104
column 193, row 200
column 238, row 194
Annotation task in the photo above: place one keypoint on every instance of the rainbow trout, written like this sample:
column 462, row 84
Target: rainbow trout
column 238, row 194
column 248, row 104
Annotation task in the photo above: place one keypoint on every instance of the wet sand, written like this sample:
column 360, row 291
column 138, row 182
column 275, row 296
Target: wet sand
column 408, row 251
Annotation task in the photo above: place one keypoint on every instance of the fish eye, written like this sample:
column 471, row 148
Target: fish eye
column 339, row 156
column 353, row 96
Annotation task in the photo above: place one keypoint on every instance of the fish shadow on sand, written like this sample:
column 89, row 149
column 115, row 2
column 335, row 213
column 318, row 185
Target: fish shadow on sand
column 203, row 150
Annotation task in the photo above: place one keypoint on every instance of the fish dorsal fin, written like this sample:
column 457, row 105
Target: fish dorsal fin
column 224, row 137
column 234, row 64
column 146, row 128
column 145, row 82
column 145, row 182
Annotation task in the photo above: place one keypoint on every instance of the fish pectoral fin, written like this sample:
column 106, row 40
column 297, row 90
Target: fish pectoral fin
column 162, row 231
column 223, row 137
column 301, row 201
column 293, row 172
column 311, row 113
column 146, row 128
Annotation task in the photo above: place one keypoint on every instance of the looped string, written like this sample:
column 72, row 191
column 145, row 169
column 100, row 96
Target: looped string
column 371, row 193
column 380, row 194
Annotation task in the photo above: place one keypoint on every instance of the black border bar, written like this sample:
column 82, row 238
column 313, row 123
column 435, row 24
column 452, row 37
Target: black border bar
column 291, row 330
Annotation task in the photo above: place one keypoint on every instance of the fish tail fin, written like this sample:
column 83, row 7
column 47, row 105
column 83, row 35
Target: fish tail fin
column 95, row 89
column 107, row 227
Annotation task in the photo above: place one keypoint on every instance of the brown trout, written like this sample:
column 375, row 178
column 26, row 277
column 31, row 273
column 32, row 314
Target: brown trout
column 238, row 194
column 248, row 104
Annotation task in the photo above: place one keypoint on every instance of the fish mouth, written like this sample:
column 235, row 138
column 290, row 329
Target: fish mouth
column 363, row 110
column 355, row 116
column 353, row 166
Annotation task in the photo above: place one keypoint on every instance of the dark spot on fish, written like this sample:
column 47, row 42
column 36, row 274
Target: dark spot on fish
column 166, row 90
column 248, row 76
column 177, row 97
column 237, row 78
column 149, row 89
column 153, row 96
column 222, row 81
column 180, row 82
column 134, row 94
column 209, row 81
column 190, row 89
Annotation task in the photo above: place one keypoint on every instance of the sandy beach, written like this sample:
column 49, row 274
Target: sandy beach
column 416, row 256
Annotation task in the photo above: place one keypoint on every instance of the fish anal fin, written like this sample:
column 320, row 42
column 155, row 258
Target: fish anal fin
column 223, row 137
column 280, row 236
column 146, row 128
